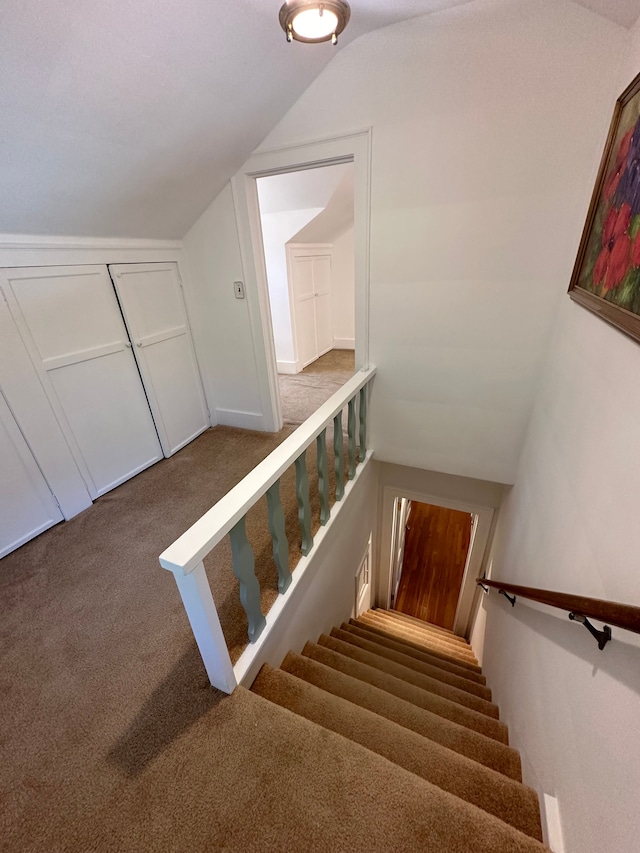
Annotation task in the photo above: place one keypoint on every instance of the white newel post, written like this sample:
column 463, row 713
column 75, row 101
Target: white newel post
column 203, row 616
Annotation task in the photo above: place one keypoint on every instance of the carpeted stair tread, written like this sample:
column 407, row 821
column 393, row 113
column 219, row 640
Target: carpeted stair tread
column 392, row 626
column 320, row 791
column 398, row 687
column 376, row 637
column 376, row 628
column 425, row 643
column 420, row 624
column 455, row 647
column 425, row 682
column 401, row 620
column 347, row 636
column 479, row 747
column 510, row 801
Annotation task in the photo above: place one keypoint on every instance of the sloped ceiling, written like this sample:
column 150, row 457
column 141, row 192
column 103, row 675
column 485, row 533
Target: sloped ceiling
column 124, row 118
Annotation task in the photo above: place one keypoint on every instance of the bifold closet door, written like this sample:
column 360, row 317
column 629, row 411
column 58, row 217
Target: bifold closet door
column 70, row 322
column 310, row 274
column 151, row 299
column 324, row 320
column 27, row 506
column 305, row 312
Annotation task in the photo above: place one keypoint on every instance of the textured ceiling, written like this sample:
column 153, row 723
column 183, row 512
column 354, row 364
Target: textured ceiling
column 124, row 118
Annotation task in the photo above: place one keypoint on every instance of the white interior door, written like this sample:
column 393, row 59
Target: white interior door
column 305, row 313
column 309, row 269
column 154, row 311
column 70, row 322
column 27, row 506
column 323, row 315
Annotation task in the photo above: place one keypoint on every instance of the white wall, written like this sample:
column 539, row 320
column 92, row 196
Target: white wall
column 343, row 297
column 219, row 321
column 277, row 229
column 571, row 524
column 486, row 120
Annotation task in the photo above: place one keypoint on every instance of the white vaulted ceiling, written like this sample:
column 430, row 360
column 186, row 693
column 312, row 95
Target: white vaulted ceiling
column 126, row 117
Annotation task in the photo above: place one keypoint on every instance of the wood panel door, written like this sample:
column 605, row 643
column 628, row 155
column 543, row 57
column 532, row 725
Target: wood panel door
column 435, row 554
column 305, row 312
column 309, row 270
column 323, row 317
column 71, row 325
column 27, row 506
column 153, row 306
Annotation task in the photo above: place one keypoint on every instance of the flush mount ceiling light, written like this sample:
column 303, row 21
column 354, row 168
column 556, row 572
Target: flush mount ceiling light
column 313, row 22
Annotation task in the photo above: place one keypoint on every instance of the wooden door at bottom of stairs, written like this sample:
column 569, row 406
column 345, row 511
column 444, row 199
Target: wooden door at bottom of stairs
column 436, row 546
column 71, row 325
column 310, row 286
column 27, row 506
column 153, row 306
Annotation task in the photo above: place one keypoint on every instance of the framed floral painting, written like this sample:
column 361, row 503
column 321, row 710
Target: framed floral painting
column 606, row 275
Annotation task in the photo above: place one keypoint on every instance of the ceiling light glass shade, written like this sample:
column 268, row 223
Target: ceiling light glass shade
column 314, row 22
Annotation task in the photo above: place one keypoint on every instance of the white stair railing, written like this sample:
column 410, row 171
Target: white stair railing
column 185, row 556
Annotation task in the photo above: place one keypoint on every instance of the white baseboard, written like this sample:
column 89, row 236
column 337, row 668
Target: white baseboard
column 551, row 825
column 241, row 420
column 288, row 367
column 344, row 343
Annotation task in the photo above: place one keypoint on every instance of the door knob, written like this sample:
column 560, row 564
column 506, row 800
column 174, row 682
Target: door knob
column 128, row 344
column 139, row 344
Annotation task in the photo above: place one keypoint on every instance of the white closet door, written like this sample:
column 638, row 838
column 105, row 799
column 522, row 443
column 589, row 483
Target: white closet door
column 71, row 324
column 153, row 307
column 323, row 316
column 304, row 291
column 27, row 506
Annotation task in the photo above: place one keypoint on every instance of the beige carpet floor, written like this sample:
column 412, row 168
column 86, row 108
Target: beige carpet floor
column 100, row 678
column 304, row 392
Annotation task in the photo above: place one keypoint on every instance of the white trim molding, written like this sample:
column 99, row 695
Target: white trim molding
column 474, row 558
column 239, row 419
column 289, row 367
column 355, row 148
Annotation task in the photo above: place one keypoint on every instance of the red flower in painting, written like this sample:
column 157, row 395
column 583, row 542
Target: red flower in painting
column 613, row 260
column 635, row 251
column 613, row 180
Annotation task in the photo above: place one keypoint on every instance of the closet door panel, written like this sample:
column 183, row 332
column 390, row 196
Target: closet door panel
column 304, row 295
column 27, row 506
column 324, row 318
column 112, row 444
column 153, row 306
column 71, row 324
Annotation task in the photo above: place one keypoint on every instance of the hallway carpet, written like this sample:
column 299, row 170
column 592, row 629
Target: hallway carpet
column 302, row 393
column 102, row 690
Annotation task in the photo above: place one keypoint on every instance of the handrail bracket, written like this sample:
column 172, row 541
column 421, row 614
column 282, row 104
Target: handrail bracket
column 602, row 637
column 511, row 598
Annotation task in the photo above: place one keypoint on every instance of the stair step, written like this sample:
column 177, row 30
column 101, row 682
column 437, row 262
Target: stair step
column 306, row 788
column 425, row 682
column 374, row 627
column 398, row 646
column 426, row 643
column 415, row 622
column 398, row 687
column 510, row 801
column 423, row 631
column 452, row 735
column 380, row 649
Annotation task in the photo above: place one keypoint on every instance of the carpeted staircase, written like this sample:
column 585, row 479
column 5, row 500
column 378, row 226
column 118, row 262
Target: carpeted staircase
column 405, row 706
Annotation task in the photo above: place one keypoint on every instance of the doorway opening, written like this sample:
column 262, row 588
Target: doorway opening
column 432, row 551
column 307, row 230
column 433, row 545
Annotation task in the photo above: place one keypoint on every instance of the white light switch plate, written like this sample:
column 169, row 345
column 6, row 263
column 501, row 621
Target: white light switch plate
column 238, row 289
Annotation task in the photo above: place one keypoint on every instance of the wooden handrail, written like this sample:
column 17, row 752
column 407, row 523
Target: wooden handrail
column 621, row 615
